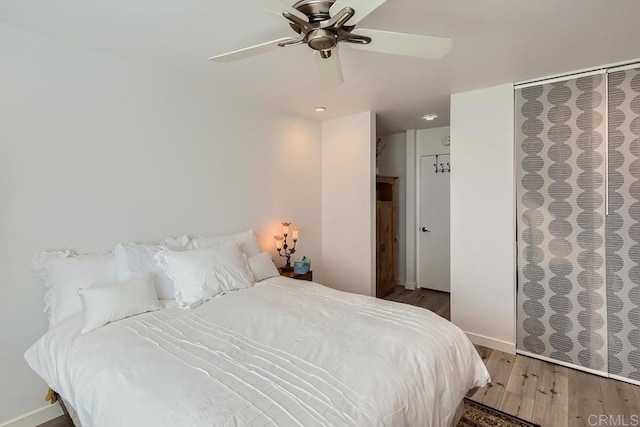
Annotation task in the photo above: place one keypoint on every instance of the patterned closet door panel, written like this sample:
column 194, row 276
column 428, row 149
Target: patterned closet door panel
column 623, row 224
column 560, row 149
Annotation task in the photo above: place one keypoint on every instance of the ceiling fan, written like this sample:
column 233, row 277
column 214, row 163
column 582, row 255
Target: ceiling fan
column 324, row 24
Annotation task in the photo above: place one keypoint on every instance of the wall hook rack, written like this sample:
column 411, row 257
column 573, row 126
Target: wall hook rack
column 440, row 167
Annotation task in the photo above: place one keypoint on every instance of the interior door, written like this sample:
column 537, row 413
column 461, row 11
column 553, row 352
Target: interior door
column 434, row 263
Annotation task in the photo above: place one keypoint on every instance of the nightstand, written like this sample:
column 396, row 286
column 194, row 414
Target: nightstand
column 308, row 276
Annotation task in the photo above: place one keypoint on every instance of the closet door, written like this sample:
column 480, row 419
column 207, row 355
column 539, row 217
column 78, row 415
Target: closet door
column 623, row 224
column 562, row 313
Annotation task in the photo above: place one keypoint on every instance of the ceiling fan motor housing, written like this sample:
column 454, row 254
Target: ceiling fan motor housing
column 316, row 10
column 321, row 31
column 322, row 39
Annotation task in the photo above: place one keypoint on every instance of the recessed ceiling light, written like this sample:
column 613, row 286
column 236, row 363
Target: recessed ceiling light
column 430, row 117
column 321, row 109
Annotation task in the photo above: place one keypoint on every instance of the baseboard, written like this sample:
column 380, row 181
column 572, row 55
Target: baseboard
column 625, row 379
column 34, row 418
column 412, row 286
column 507, row 347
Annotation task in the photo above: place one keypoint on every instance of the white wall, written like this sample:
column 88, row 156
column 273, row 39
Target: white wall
column 483, row 216
column 94, row 151
column 393, row 162
column 429, row 141
column 348, row 203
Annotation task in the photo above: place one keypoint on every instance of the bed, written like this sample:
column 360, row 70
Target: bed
column 281, row 353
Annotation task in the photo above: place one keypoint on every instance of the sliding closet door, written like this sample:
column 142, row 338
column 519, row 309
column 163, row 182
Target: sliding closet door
column 623, row 224
column 562, row 311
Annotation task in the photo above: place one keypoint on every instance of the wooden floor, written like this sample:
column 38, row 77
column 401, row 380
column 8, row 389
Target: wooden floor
column 547, row 394
column 57, row 422
column 438, row 302
column 541, row 392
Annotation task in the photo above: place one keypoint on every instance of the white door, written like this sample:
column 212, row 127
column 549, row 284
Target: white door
column 434, row 262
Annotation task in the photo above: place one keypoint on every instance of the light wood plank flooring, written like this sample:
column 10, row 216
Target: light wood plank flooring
column 547, row 394
column 541, row 392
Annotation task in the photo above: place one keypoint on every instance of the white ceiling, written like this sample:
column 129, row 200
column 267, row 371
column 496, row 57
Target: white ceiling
column 496, row 41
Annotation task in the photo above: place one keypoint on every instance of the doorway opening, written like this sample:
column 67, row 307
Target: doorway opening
column 420, row 219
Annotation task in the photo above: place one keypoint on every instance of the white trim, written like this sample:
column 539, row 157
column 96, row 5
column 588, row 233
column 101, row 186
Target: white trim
column 539, row 82
column 623, row 379
column 410, row 214
column 606, row 153
column 372, row 203
column 412, row 286
column 496, row 344
column 613, row 66
column 418, row 177
column 624, row 67
column 514, row 231
column 561, row 363
column 34, row 418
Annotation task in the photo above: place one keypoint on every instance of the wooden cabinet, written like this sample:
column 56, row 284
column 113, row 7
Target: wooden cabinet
column 386, row 212
column 308, row 276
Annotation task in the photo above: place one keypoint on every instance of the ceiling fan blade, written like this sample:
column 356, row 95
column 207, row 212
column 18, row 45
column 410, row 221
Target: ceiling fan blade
column 277, row 7
column 362, row 8
column 248, row 52
column 329, row 69
column 404, row 44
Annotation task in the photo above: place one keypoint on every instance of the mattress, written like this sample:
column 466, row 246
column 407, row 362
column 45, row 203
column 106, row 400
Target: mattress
column 282, row 353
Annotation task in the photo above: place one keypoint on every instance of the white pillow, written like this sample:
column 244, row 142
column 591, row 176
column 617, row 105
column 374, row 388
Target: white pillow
column 134, row 260
column 182, row 242
column 247, row 240
column 105, row 304
column 201, row 274
column 262, row 267
column 64, row 273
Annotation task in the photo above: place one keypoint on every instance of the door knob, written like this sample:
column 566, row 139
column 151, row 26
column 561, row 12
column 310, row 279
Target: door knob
column 424, row 230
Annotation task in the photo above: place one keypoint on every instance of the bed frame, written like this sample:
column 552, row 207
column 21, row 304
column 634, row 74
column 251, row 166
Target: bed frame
column 53, row 397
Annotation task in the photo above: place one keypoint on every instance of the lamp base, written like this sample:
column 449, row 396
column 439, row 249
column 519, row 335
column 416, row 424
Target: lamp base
column 285, row 268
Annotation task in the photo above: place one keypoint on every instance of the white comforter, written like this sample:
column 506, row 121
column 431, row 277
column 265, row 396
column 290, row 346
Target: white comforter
column 285, row 353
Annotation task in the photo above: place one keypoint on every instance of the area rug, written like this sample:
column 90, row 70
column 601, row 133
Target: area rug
column 479, row 415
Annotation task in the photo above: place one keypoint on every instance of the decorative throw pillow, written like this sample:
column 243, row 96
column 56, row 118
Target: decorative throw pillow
column 247, row 240
column 63, row 273
column 106, row 304
column 201, row 274
column 262, row 267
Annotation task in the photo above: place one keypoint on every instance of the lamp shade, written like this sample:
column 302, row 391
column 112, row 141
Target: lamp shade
column 285, row 228
column 279, row 242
